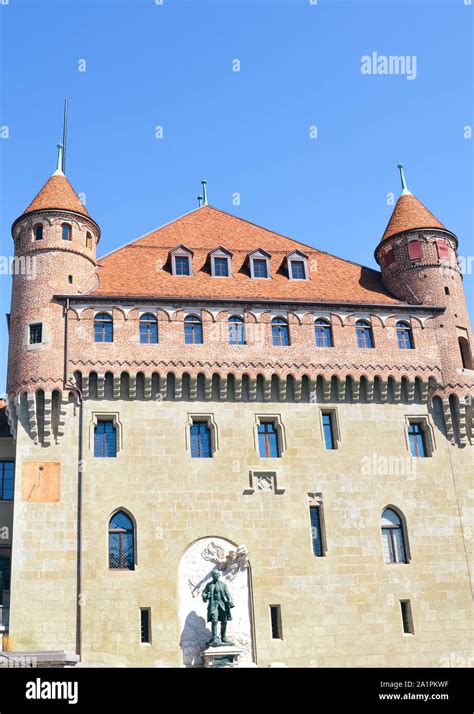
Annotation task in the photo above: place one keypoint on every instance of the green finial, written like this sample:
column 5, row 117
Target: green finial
column 405, row 191
column 204, row 191
column 200, row 200
column 59, row 168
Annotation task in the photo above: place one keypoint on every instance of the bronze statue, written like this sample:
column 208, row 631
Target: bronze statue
column 219, row 603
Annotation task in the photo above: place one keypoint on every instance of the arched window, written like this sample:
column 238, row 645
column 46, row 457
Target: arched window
column 192, row 330
column 66, row 231
column 280, row 332
column 89, row 241
column 148, row 329
column 103, row 328
column 364, row 334
column 393, row 539
column 404, row 335
column 121, row 542
column 322, row 330
column 39, row 231
column 236, row 330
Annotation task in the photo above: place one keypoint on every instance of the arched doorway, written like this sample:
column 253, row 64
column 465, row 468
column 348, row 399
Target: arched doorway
column 196, row 565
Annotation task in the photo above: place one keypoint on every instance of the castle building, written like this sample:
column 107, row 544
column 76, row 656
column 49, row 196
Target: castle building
column 214, row 394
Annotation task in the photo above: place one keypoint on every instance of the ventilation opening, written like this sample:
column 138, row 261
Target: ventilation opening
column 465, row 353
column 407, row 618
column 446, row 290
column 69, row 279
column 145, row 625
column 275, row 617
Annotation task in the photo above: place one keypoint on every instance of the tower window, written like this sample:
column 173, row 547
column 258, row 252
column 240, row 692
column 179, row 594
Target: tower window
column 404, row 336
column 200, row 438
column 66, row 231
column 393, row 537
column 145, row 625
column 192, row 330
column 7, row 472
column 148, row 329
column 275, row 620
column 365, row 338
column 414, row 250
column 417, row 439
column 442, row 248
column 105, row 439
column 121, row 542
column 389, row 257
column 39, row 231
column 316, row 530
column 36, row 333
column 322, row 332
column 236, row 330
column 280, row 332
column 103, row 328
column 70, row 279
column 268, row 440
column 89, row 241
column 407, row 617
column 329, row 429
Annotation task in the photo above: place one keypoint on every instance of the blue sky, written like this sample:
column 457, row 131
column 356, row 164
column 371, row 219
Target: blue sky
column 247, row 132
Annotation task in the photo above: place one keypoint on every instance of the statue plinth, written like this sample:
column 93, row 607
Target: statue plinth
column 221, row 656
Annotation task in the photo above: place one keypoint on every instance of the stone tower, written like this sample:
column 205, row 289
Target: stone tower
column 55, row 254
column 419, row 263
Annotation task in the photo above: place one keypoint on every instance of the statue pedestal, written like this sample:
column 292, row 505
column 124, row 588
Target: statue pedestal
column 223, row 656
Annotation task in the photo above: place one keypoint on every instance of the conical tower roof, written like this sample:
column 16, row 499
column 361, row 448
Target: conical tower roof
column 57, row 193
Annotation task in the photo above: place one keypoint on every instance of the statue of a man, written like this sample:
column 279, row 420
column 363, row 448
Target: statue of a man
column 219, row 603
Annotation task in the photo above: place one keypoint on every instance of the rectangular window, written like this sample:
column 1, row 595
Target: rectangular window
column 182, row 265
column 414, row 250
column 328, row 430
column 221, row 267
column 145, row 625
column 297, row 270
column 36, row 334
column 7, row 472
column 275, row 619
column 442, row 248
column 316, row 530
column 260, row 268
column 268, row 441
column 417, row 439
column 201, row 445
column 105, row 439
column 389, row 257
column 407, row 617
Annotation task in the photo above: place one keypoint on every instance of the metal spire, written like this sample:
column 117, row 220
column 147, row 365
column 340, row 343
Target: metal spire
column 204, row 191
column 200, row 200
column 405, row 191
column 63, row 167
column 59, row 168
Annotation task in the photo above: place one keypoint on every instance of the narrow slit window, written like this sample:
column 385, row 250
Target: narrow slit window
column 275, row 619
column 407, row 617
column 39, row 231
column 417, row 439
column 316, row 531
column 329, row 430
column 145, row 625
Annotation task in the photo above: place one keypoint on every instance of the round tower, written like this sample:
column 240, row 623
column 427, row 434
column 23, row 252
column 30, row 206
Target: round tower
column 55, row 254
column 419, row 263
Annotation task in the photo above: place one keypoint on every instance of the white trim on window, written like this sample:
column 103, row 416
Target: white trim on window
column 259, row 254
column 297, row 257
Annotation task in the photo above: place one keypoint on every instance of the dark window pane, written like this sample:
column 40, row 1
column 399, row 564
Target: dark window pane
column 392, row 537
column 323, row 334
column 182, row 265
column 36, row 334
column 121, row 542
column 105, row 439
column 275, row 619
column 328, row 431
column 268, row 442
column 145, row 630
column 7, row 472
column 200, row 440
column 364, row 335
column 148, row 329
column 316, row 530
column 103, row 328
column 66, row 231
column 221, row 267
column 260, row 269
column 417, row 440
column 297, row 270
column 280, row 332
column 39, row 231
column 404, row 336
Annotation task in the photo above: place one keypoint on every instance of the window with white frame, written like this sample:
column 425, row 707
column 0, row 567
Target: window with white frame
column 221, row 263
column 181, row 261
column 297, row 263
column 260, row 264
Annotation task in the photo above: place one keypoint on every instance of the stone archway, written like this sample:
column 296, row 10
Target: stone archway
column 195, row 568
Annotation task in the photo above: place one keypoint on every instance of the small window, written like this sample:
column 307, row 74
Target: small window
column 322, row 332
column 182, row 265
column 39, row 231
column 417, row 439
column 105, row 439
column 201, row 441
column 414, row 250
column 36, row 333
column 7, row 473
column 389, row 257
column 148, row 329
column 446, row 290
column 70, row 279
column 297, row 270
column 66, row 231
column 89, row 240
column 404, row 336
column 407, row 617
column 121, row 542
column 442, row 249
column 103, row 328
column 365, row 339
column 221, row 267
column 260, row 269
column 275, row 620
column 236, row 330
column 192, row 330
column 280, row 332
column 316, row 531
column 393, row 538
column 268, row 440
column 465, row 352
column 145, row 625
column 329, row 429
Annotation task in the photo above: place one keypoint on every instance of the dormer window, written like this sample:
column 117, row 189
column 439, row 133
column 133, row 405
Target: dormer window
column 181, row 261
column 221, row 263
column 259, row 264
column 297, row 265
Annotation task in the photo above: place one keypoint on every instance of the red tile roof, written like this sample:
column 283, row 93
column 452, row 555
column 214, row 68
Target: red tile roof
column 57, row 193
column 142, row 268
column 408, row 214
